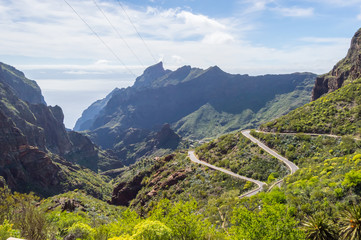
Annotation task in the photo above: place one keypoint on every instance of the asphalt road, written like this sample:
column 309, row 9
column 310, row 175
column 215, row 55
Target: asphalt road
column 293, row 168
column 260, row 184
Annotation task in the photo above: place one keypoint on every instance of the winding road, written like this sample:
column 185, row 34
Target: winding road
column 293, row 168
column 260, row 184
column 247, row 133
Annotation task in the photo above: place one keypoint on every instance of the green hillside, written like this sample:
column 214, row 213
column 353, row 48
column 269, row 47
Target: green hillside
column 173, row 177
column 336, row 113
column 238, row 154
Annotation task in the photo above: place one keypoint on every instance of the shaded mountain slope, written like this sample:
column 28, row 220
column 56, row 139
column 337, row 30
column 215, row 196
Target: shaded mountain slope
column 196, row 103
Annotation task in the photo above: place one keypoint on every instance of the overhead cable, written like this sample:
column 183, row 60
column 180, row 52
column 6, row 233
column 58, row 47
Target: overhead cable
column 136, row 30
column 118, row 33
column 100, row 39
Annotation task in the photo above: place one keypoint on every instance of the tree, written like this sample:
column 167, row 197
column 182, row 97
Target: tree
column 264, row 222
column 318, row 227
column 30, row 219
column 152, row 230
column 351, row 223
column 183, row 219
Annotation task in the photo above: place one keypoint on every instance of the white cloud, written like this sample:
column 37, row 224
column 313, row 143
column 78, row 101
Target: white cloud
column 49, row 30
column 341, row 41
column 177, row 59
column 218, row 38
column 294, row 11
column 339, row 3
column 255, row 5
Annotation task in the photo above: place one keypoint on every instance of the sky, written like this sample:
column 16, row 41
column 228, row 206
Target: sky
column 80, row 50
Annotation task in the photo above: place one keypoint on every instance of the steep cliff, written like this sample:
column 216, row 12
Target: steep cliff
column 344, row 72
column 197, row 103
column 36, row 152
column 27, row 90
column 43, row 125
column 25, row 168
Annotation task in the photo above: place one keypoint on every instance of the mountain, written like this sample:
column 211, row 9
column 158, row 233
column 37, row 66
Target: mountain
column 338, row 112
column 37, row 153
column 134, row 143
column 196, row 103
column 344, row 72
column 92, row 111
column 27, row 90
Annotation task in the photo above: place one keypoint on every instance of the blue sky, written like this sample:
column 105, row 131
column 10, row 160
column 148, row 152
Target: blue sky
column 49, row 42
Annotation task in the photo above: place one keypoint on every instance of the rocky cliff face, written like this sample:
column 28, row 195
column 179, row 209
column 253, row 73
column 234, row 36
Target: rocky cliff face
column 345, row 71
column 36, row 151
column 159, row 178
column 25, row 168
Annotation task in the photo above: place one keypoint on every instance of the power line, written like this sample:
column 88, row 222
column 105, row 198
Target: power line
column 100, row 39
column 119, row 35
column 131, row 22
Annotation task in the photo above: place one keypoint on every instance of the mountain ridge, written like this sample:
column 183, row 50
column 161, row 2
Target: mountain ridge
column 162, row 96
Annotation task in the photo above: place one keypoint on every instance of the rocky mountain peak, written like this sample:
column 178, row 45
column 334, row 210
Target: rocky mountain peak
column 345, row 71
column 149, row 75
column 355, row 47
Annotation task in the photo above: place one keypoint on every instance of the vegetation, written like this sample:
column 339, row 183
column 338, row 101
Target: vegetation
column 336, row 113
column 175, row 177
column 299, row 148
column 238, row 154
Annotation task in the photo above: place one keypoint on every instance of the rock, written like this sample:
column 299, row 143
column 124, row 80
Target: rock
column 70, row 237
column 123, row 193
column 345, row 71
column 21, row 165
column 149, row 75
column 167, row 138
column 174, row 179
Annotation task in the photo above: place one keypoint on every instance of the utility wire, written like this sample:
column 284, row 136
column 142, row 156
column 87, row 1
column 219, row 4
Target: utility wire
column 118, row 33
column 100, row 39
column 131, row 22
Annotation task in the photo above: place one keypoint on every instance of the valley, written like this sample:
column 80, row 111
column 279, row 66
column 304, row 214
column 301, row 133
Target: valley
column 171, row 157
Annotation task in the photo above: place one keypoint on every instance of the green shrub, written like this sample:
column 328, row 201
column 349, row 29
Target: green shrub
column 356, row 157
column 152, row 230
column 6, row 231
column 352, row 179
column 124, row 237
column 82, row 231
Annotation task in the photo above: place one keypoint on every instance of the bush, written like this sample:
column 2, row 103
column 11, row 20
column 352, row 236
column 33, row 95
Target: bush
column 124, row 237
column 82, row 231
column 352, row 179
column 31, row 221
column 6, row 231
column 152, row 230
column 356, row 157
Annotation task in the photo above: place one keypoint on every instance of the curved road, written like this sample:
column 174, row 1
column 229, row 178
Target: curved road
column 309, row 134
column 260, row 184
column 293, row 168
